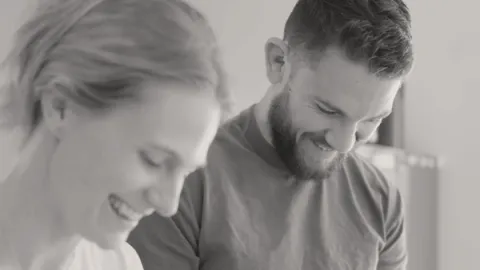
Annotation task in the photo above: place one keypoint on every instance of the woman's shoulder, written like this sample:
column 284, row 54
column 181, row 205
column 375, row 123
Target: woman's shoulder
column 92, row 257
column 130, row 257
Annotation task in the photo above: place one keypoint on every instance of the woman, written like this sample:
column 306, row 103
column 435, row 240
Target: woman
column 116, row 101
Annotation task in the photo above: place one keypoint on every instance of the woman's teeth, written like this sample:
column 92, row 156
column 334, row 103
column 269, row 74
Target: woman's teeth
column 123, row 210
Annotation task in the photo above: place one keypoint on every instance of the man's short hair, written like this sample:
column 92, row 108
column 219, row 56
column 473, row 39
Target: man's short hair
column 375, row 32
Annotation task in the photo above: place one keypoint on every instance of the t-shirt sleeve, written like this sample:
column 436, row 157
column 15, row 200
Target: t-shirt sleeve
column 393, row 255
column 172, row 243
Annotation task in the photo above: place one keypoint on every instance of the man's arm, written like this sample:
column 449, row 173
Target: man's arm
column 393, row 255
column 171, row 243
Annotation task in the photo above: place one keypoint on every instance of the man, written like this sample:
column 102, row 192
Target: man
column 283, row 189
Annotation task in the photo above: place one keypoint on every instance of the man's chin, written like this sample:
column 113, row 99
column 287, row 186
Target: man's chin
column 335, row 164
column 324, row 169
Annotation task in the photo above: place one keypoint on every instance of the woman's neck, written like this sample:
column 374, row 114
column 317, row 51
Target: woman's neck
column 29, row 215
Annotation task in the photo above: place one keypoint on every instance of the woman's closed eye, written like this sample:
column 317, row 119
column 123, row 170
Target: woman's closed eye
column 151, row 161
column 326, row 110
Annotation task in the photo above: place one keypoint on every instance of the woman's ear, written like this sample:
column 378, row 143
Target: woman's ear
column 276, row 52
column 56, row 112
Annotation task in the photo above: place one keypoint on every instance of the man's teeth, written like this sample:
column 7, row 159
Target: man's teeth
column 123, row 210
column 323, row 148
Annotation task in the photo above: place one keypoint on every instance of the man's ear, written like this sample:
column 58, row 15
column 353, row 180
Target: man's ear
column 56, row 112
column 278, row 69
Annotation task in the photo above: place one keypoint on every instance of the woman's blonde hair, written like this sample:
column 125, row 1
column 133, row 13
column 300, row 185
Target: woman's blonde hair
column 98, row 52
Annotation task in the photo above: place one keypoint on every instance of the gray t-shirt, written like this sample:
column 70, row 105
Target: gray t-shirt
column 244, row 211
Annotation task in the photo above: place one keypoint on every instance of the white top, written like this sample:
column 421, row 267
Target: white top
column 89, row 256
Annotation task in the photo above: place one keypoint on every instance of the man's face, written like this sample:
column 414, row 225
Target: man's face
column 325, row 111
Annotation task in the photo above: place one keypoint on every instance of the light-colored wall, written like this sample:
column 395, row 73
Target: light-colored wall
column 442, row 117
column 11, row 14
column 243, row 27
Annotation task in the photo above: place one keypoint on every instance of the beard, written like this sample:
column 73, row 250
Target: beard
column 295, row 149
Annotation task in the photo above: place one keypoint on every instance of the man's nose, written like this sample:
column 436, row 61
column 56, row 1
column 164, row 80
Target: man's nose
column 342, row 138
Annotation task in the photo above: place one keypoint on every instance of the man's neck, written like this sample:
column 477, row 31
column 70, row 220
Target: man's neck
column 261, row 111
column 29, row 214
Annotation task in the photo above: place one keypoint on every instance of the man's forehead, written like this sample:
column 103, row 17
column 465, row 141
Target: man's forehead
column 337, row 74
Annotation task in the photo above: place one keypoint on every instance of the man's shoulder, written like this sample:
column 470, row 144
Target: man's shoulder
column 230, row 139
column 229, row 155
column 376, row 196
column 363, row 171
column 369, row 184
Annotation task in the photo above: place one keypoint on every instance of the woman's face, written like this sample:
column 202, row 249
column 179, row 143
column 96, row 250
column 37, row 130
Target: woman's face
column 110, row 170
